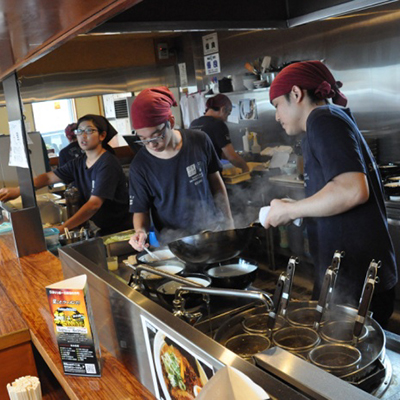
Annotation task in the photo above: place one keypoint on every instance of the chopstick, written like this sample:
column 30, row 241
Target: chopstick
column 67, row 233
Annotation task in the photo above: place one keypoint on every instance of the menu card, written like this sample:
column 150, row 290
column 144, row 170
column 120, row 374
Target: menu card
column 74, row 326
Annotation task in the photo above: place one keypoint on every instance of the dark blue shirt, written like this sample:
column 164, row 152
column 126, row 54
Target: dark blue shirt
column 215, row 129
column 105, row 179
column 333, row 145
column 69, row 153
column 176, row 190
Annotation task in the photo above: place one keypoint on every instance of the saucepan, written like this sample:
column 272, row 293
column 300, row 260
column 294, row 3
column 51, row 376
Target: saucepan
column 236, row 273
column 211, row 247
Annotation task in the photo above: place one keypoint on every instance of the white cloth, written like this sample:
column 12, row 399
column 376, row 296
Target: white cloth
column 263, row 214
column 230, row 384
column 193, row 106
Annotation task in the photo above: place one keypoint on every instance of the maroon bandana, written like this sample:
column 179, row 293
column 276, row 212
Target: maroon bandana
column 152, row 107
column 308, row 75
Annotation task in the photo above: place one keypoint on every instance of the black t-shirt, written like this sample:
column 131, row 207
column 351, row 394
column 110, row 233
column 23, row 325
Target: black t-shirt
column 176, row 190
column 105, row 179
column 332, row 146
column 215, row 129
column 69, row 152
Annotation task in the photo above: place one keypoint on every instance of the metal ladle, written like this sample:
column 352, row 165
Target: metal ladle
column 151, row 254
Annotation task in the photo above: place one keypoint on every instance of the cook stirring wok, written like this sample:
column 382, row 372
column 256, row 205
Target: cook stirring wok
column 98, row 176
column 344, row 206
column 174, row 180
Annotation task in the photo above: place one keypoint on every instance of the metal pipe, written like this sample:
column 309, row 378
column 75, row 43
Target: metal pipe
column 251, row 294
column 142, row 267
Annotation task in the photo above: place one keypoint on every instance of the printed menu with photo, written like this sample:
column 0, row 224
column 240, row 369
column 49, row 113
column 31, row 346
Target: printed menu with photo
column 74, row 327
column 177, row 372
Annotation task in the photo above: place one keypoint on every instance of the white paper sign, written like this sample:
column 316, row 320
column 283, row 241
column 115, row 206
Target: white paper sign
column 183, row 74
column 212, row 64
column 17, row 150
column 235, row 115
column 210, row 43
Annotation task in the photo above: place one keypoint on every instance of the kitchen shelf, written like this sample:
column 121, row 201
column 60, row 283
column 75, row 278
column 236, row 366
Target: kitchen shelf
column 239, row 92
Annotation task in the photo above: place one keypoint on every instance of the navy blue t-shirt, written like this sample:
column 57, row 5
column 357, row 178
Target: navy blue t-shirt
column 69, row 153
column 105, row 179
column 215, row 129
column 176, row 190
column 332, row 146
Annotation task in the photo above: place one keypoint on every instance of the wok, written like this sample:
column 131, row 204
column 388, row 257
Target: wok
column 211, row 247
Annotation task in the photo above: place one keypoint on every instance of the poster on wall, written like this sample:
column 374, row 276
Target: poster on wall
column 248, row 109
column 212, row 64
column 176, row 371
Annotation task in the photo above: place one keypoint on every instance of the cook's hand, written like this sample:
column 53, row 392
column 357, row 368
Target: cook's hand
column 60, row 228
column 138, row 240
column 7, row 194
column 279, row 213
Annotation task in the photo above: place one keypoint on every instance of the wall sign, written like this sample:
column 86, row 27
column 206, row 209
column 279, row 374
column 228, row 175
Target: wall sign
column 18, row 156
column 212, row 64
column 210, row 44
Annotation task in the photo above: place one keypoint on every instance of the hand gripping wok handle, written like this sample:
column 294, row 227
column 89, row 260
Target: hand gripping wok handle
column 276, row 300
column 363, row 308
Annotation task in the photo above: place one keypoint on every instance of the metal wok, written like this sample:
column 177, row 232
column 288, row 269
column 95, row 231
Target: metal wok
column 211, row 247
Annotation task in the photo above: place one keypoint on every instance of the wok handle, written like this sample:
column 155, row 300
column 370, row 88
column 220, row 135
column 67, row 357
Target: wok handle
column 276, row 300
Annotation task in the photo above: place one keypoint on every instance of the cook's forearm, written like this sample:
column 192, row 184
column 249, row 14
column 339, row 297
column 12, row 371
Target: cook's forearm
column 220, row 195
column 338, row 196
column 46, row 179
column 141, row 222
column 86, row 212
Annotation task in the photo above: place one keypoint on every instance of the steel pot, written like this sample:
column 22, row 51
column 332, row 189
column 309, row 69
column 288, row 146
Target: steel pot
column 296, row 339
column 259, row 323
column 211, row 247
column 341, row 332
column 237, row 273
column 246, row 345
column 338, row 359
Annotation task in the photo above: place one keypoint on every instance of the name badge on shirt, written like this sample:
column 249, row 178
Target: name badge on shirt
column 191, row 170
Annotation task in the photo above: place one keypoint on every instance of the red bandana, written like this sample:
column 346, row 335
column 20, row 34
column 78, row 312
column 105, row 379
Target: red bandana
column 152, row 107
column 308, row 75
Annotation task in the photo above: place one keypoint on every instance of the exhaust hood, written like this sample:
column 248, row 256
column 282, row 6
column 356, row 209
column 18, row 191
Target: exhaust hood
column 162, row 16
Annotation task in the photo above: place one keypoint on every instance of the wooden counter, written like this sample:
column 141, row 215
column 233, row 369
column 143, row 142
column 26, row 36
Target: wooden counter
column 24, row 280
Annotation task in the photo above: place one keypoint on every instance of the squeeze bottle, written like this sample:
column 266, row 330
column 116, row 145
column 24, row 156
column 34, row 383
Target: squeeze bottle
column 255, row 149
column 246, row 144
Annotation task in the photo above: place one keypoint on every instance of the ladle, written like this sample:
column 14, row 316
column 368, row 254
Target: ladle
column 151, row 254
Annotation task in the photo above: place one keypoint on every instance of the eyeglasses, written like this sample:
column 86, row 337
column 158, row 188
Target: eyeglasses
column 154, row 140
column 88, row 131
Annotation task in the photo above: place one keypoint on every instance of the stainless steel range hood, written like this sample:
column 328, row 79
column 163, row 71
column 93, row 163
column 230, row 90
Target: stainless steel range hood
column 161, row 16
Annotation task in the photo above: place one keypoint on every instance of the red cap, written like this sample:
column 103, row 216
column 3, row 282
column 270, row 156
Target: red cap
column 152, row 107
column 308, row 75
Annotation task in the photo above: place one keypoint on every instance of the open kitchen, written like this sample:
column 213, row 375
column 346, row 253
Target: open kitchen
column 229, row 307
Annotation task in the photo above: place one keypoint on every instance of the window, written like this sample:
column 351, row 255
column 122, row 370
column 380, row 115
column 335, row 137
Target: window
column 51, row 119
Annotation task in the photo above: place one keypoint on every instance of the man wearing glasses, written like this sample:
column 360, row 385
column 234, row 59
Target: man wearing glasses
column 174, row 180
column 98, row 177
